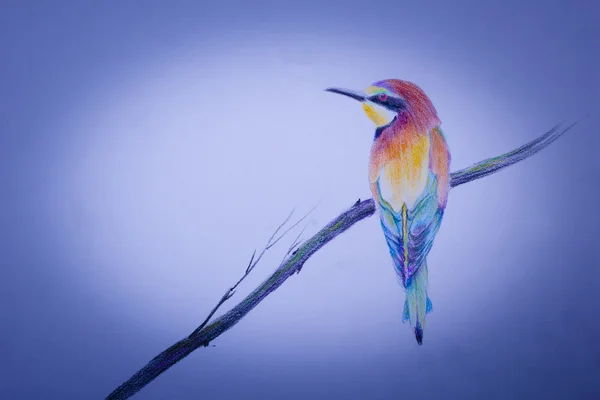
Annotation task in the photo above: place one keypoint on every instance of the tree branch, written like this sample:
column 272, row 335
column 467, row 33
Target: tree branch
column 231, row 291
column 494, row 164
column 294, row 260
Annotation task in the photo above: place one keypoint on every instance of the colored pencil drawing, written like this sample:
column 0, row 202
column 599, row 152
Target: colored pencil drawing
column 188, row 191
column 410, row 181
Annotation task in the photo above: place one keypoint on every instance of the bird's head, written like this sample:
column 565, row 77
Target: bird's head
column 386, row 100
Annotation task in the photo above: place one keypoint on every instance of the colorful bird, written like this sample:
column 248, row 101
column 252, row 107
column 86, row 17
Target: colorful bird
column 409, row 175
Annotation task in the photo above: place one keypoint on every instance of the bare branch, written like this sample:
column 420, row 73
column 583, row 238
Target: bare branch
column 231, row 291
column 294, row 244
column 269, row 243
column 289, row 266
column 225, row 297
column 494, row 164
column 291, row 227
column 250, row 263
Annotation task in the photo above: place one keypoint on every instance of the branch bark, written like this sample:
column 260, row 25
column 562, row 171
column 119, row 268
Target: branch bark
column 294, row 262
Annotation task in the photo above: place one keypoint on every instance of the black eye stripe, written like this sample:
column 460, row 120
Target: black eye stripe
column 392, row 103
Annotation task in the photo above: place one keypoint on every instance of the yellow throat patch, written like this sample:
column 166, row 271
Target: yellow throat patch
column 381, row 116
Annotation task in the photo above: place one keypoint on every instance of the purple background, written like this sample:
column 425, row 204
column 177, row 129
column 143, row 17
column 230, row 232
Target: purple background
column 147, row 148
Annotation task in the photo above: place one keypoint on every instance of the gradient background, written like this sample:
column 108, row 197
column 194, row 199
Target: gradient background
column 147, row 148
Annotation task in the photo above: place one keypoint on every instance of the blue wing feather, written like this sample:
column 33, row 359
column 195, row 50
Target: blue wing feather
column 423, row 222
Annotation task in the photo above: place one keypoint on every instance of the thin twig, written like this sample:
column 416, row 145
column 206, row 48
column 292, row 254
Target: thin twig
column 231, row 291
column 359, row 211
column 228, row 294
column 291, row 227
column 252, row 265
column 295, row 243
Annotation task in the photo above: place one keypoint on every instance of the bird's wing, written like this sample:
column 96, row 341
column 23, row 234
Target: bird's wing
column 410, row 232
column 439, row 164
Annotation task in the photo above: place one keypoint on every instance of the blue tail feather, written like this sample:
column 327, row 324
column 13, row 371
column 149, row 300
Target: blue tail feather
column 417, row 304
column 406, row 315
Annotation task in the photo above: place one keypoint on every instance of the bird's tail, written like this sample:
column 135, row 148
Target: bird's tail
column 417, row 303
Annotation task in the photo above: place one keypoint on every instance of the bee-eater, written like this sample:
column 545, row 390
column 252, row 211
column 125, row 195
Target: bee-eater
column 409, row 177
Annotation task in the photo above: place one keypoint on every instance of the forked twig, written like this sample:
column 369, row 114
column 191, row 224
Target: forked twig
column 231, row 291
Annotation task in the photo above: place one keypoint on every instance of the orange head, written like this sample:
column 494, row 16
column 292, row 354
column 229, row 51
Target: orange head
column 392, row 100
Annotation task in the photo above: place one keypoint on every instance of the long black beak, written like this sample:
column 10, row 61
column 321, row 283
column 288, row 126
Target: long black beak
column 350, row 93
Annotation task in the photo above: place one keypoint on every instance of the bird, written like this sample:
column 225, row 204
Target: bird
column 409, row 177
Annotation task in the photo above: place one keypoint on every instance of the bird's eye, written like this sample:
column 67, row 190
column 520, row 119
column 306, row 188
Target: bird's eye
column 382, row 96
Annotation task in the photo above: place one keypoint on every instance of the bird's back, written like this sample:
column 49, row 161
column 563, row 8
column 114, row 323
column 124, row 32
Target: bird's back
column 409, row 178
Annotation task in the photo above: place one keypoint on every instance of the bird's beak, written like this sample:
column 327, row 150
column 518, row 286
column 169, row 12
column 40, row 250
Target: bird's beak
column 350, row 93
